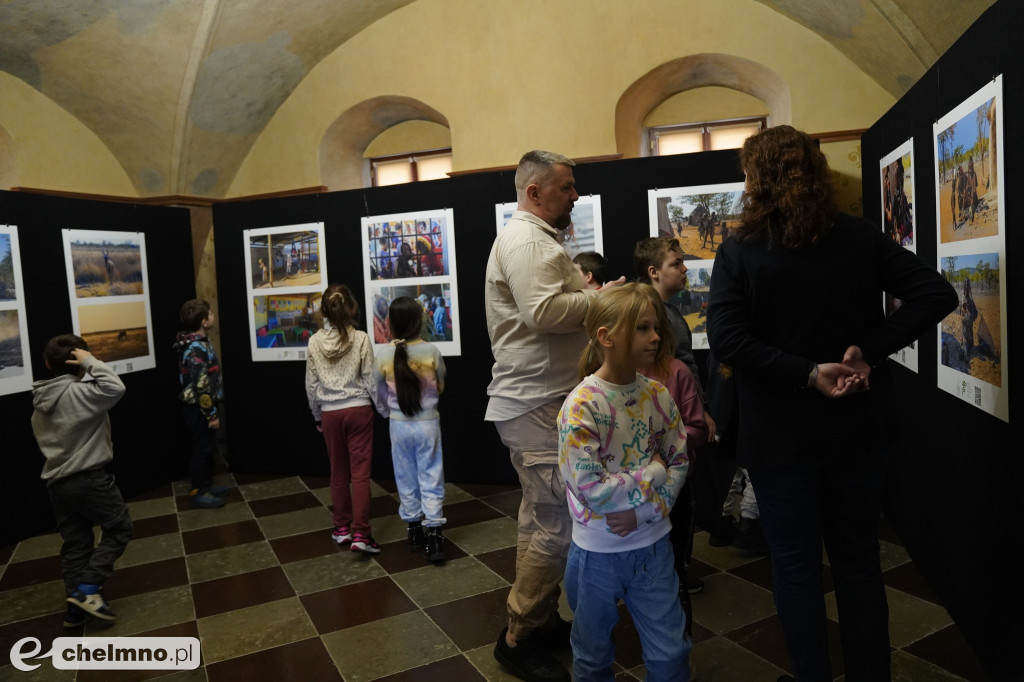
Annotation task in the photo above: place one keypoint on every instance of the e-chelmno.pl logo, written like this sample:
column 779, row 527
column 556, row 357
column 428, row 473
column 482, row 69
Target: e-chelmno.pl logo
column 110, row 653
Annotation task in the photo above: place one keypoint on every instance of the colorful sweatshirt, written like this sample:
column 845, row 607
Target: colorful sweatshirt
column 607, row 435
column 198, row 373
column 426, row 361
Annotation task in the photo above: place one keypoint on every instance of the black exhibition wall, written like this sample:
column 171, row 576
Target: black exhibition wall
column 270, row 429
column 150, row 444
column 951, row 487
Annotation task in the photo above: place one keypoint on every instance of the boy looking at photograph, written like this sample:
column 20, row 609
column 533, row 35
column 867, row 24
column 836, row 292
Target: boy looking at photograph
column 72, row 429
column 593, row 268
column 199, row 376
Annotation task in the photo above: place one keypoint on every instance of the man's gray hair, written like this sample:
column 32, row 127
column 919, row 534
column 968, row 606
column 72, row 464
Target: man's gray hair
column 535, row 168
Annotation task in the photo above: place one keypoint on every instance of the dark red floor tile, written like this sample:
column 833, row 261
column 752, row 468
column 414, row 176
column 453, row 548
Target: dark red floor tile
column 382, row 505
column 184, row 502
column 387, row 485
column 501, row 561
column 6, row 553
column 44, row 628
column 350, row 605
column 189, row 629
column 395, row 557
column 471, row 511
column 474, row 621
column 158, row 575
column 153, row 526
column 485, row 489
column 218, row 537
column 907, row 578
column 765, row 639
column 245, row 479
column 314, row 482
column 165, row 490
column 759, row 572
column 239, row 591
column 284, row 504
column 296, row 662
column 31, row 572
column 304, row 546
column 887, row 532
column 948, row 649
column 448, row 670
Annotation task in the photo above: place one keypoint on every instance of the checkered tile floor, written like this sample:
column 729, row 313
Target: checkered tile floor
column 271, row 597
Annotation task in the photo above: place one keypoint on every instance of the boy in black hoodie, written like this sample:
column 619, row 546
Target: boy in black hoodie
column 72, row 429
column 199, row 376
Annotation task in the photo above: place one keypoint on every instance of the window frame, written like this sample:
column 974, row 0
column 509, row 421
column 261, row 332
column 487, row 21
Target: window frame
column 705, row 127
column 410, row 157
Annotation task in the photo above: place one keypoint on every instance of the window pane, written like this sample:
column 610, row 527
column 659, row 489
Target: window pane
column 685, row 142
column 433, row 167
column 393, row 172
column 732, row 137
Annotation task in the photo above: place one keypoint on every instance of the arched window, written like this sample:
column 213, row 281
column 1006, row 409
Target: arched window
column 410, row 152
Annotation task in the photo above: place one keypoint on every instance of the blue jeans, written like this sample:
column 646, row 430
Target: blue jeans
column 646, row 580
column 838, row 501
column 419, row 470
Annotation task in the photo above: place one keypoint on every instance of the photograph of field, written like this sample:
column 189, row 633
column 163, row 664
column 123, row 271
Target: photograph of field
column 8, row 286
column 107, row 267
column 972, row 334
column 12, row 360
column 699, row 218
column 115, row 331
column 967, row 159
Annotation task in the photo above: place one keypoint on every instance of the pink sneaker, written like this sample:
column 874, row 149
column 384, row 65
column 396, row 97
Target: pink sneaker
column 342, row 534
column 364, row 543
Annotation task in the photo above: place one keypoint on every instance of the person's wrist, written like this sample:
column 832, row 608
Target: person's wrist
column 812, row 376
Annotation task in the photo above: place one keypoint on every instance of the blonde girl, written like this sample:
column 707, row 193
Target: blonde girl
column 622, row 452
column 411, row 373
column 341, row 388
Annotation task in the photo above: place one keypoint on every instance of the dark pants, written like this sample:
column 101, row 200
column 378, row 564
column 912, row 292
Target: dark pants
column 838, row 502
column 204, row 446
column 81, row 501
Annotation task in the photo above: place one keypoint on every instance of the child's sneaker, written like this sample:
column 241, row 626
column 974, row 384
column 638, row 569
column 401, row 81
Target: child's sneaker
column 204, row 500
column 434, row 549
column 218, row 490
column 75, row 617
column 93, row 605
column 342, row 534
column 364, row 543
column 416, row 539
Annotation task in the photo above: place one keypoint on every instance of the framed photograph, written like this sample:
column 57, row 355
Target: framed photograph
column 899, row 223
column 584, row 233
column 413, row 254
column 971, row 249
column 693, row 301
column 699, row 218
column 286, row 275
column 15, row 361
column 108, row 286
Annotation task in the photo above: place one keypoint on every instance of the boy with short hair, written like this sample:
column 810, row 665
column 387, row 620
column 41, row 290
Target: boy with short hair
column 72, row 429
column 593, row 268
column 199, row 376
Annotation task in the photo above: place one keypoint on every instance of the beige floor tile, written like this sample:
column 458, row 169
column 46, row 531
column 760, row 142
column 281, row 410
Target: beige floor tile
column 483, row 660
column 447, row 582
column 908, row 667
column 194, row 519
column 44, row 673
column 721, row 660
column 145, row 509
column 37, row 547
column 220, row 563
column 274, row 488
column 331, row 570
column 454, row 494
column 148, row 550
column 294, row 523
column 722, row 558
column 507, row 503
column 236, row 633
column 324, row 495
column 31, row 601
column 388, row 528
column 145, row 612
column 910, row 618
column 398, row 643
column 485, row 536
column 736, row 603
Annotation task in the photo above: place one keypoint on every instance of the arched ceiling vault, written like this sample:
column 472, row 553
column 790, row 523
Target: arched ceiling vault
column 179, row 90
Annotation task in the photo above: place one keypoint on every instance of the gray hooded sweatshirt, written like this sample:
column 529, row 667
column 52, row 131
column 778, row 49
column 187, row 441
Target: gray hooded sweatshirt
column 339, row 374
column 70, row 421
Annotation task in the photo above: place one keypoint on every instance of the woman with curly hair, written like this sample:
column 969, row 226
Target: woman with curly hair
column 796, row 309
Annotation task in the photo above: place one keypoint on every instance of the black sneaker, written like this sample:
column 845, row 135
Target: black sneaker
column 93, row 605
column 415, row 534
column 528, row 660
column 554, row 635
column 694, row 585
column 750, row 538
column 75, row 617
column 434, row 547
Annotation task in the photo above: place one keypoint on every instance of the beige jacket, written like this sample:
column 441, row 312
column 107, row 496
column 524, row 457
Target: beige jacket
column 535, row 303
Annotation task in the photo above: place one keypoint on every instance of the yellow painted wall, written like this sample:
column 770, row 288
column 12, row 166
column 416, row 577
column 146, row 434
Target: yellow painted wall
column 411, row 136
column 52, row 149
column 512, row 75
column 705, row 104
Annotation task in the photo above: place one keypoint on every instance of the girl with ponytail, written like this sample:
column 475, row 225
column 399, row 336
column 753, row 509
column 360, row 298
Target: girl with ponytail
column 410, row 372
column 341, row 388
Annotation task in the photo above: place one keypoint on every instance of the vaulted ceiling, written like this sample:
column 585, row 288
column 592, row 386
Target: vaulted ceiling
column 179, row 90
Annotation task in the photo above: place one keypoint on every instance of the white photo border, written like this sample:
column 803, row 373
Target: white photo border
column 11, row 380
column 906, row 356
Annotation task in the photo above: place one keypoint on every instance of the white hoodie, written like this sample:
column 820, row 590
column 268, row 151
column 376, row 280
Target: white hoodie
column 339, row 374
